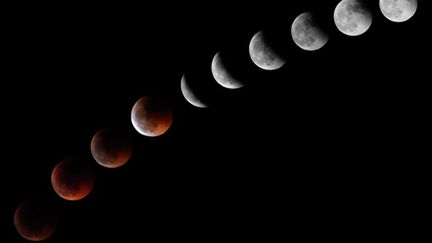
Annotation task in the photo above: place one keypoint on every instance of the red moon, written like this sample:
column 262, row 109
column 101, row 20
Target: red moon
column 72, row 180
column 111, row 148
column 151, row 116
column 35, row 221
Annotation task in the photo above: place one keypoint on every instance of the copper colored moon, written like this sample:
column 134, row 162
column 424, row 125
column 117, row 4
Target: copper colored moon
column 151, row 116
column 72, row 180
column 35, row 221
column 111, row 148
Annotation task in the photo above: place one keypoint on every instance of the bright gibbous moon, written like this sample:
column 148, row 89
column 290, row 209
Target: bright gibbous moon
column 398, row 10
column 352, row 17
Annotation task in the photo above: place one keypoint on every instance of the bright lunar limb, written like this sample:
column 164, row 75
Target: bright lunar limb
column 352, row 17
column 398, row 10
column 222, row 75
column 263, row 54
column 189, row 95
column 307, row 34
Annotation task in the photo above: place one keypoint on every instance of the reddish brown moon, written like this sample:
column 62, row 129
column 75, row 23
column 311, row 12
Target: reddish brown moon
column 35, row 220
column 111, row 148
column 72, row 179
column 151, row 116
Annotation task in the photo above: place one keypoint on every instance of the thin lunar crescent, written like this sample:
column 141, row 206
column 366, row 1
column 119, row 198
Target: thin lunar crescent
column 189, row 95
column 352, row 17
column 221, row 74
column 307, row 34
column 398, row 10
column 262, row 53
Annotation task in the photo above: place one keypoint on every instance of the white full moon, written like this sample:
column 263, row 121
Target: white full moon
column 398, row 10
column 262, row 53
column 222, row 75
column 352, row 17
column 307, row 34
column 189, row 95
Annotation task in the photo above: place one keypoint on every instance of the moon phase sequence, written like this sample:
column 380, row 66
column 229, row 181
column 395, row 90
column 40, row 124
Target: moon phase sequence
column 398, row 10
column 307, row 34
column 35, row 220
column 151, row 116
column 263, row 54
column 72, row 180
column 222, row 75
column 352, row 17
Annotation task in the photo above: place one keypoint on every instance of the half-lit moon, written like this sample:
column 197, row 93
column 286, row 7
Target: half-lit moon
column 263, row 54
column 307, row 33
column 352, row 17
column 222, row 75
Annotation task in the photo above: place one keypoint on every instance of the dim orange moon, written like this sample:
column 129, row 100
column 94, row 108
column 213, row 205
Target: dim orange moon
column 151, row 116
column 72, row 179
column 111, row 148
column 35, row 221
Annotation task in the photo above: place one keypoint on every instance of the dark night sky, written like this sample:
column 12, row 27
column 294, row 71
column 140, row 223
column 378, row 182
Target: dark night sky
column 319, row 147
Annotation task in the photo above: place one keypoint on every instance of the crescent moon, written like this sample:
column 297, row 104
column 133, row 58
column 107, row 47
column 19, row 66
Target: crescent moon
column 189, row 95
column 111, row 148
column 221, row 74
column 262, row 54
column 151, row 116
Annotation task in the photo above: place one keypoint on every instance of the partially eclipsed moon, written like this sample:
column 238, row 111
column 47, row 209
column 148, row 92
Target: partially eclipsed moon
column 151, row 116
column 35, row 221
column 398, row 10
column 189, row 95
column 307, row 34
column 263, row 54
column 222, row 75
column 352, row 17
column 111, row 148
column 72, row 179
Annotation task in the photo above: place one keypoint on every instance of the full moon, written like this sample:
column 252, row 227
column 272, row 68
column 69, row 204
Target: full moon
column 151, row 116
column 263, row 54
column 72, row 180
column 352, row 17
column 35, row 221
column 307, row 34
column 189, row 95
column 111, row 148
column 398, row 10
column 221, row 74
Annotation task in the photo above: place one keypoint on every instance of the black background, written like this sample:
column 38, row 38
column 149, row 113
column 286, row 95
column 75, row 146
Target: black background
column 322, row 148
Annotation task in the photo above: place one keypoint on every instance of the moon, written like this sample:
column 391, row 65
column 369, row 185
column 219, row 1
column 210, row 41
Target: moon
column 35, row 220
column 307, row 34
column 221, row 74
column 189, row 95
column 151, row 116
column 352, row 17
column 262, row 54
column 398, row 10
column 111, row 148
column 72, row 180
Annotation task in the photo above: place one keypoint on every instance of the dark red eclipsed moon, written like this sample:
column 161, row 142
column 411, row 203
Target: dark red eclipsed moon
column 35, row 220
column 151, row 116
column 72, row 179
column 111, row 148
